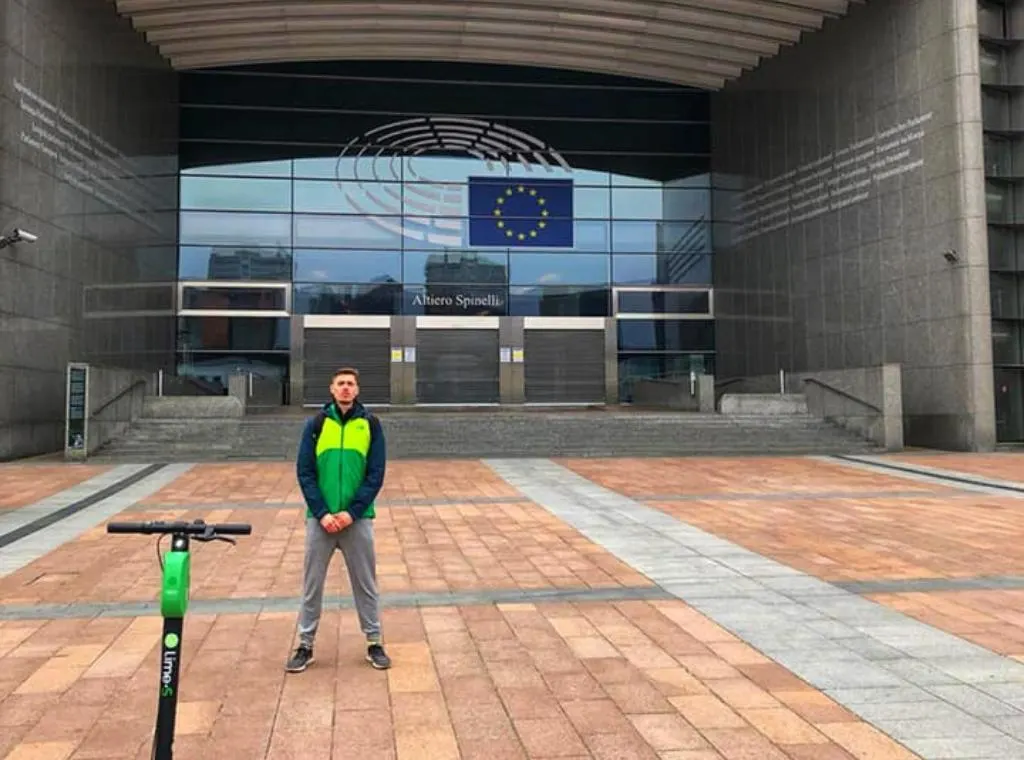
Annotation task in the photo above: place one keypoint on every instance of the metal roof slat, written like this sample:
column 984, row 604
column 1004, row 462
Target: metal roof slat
column 484, row 55
column 701, row 43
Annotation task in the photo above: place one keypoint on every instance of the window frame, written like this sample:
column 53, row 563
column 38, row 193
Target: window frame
column 227, row 285
column 628, row 315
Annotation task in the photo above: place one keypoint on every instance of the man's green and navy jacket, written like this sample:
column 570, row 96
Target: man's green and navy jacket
column 341, row 468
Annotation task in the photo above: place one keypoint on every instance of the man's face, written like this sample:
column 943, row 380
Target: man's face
column 344, row 389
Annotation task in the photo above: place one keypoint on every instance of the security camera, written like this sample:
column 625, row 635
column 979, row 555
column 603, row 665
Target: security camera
column 17, row 236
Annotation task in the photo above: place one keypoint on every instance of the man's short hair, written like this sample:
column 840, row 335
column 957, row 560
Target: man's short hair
column 345, row 371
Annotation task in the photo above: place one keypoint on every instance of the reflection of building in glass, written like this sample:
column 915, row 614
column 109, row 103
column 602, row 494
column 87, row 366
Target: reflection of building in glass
column 246, row 264
column 464, row 282
column 561, row 301
column 234, row 299
column 464, row 266
column 380, row 296
column 682, row 247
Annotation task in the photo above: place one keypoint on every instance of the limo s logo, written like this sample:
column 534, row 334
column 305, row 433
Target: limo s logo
column 372, row 167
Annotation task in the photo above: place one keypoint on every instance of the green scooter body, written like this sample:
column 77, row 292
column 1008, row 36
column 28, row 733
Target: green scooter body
column 174, row 591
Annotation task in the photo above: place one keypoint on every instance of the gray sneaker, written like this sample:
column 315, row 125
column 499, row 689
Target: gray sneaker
column 302, row 659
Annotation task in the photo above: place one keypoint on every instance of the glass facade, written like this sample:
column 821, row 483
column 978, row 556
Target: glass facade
column 441, row 189
column 1001, row 91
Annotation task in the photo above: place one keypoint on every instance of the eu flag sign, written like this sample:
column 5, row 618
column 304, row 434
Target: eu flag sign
column 512, row 212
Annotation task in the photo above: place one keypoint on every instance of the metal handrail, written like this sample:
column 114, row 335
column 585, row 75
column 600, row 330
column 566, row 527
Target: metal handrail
column 844, row 394
column 116, row 396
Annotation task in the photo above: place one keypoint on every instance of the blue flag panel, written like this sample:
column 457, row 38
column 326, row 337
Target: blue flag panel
column 512, row 212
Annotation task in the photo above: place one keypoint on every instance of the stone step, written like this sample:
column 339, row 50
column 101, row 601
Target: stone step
column 498, row 434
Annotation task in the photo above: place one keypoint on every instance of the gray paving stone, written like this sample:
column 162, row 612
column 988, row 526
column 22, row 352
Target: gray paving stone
column 789, row 495
column 949, row 727
column 1010, row 693
column 919, row 672
column 929, row 475
column 31, row 547
column 687, row 568
column 901, row 586
column 802, row 650
column 943, row 650
column 833, row 629
column 981, row 669
column 856, row 611
column 1009, row 724
column 973, row 700
column 855, row 697
column 900, row 631
column 16, row 518
column 967, row 748
column 783, row 603
column 279, row 505
column 755, row 566
column 873, row 650
column 853, row 672
column 287, row 603
column 932, row 709
column 963, row 481
column 177, row 507
column 798, row 586
column 861, row 653
column 702, row 589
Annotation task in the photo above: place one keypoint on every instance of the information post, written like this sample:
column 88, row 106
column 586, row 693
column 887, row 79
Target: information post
column 76, row 413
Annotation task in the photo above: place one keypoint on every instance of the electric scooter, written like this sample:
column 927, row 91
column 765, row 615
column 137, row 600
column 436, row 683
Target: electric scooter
column 174, row 593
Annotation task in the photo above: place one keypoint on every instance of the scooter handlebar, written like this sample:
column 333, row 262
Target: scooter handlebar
column 196, row 528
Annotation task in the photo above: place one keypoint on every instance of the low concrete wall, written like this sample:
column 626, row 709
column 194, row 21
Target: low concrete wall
column 116, row 398
column 238, row 389
column 255, row 392
column 764, row 404
column 867, row 400
column 193, row 407
column 665, row 393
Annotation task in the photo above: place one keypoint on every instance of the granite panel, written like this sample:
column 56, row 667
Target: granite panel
column 88, row 162
column 863, row 169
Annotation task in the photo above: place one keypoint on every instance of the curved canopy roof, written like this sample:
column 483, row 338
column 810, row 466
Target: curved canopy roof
column 698, row 43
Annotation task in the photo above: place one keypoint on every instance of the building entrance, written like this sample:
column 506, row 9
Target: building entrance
column 457, row 361
column 565, row 362
column 329, row 343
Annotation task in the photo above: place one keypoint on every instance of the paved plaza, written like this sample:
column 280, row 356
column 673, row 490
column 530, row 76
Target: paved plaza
column 804, row 608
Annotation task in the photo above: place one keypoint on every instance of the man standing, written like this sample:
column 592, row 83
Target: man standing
column 340, row 467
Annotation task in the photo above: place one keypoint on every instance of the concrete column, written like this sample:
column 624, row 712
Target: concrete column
column 611, row 361
column 706, row 393
column 511, row 341
column 403, row 371
column 296, row 362
column 892, row 407
column 238, row 387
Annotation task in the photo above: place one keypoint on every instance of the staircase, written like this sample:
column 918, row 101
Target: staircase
column 163, row 435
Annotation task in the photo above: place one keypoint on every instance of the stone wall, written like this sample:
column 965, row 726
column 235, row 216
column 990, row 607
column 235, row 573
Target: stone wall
column 847, row 168
column 88, row 113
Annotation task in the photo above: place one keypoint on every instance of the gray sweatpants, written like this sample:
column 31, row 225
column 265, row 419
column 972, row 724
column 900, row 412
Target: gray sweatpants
column 356, row 545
